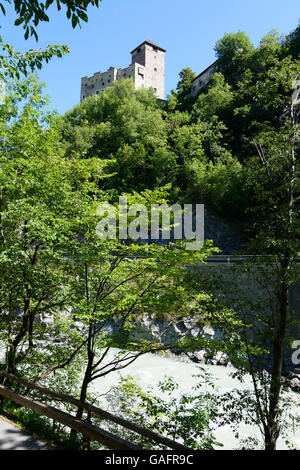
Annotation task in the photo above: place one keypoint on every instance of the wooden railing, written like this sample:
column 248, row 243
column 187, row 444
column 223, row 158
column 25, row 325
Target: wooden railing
column 89, row 430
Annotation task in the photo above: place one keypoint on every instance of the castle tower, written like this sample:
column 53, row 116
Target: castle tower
column 152, row 58
column 147, row 70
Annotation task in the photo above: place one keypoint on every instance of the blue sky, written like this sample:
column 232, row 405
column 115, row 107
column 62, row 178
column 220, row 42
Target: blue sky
column 187, row 29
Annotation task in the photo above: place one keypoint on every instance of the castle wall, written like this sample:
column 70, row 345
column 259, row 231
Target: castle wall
column 155, row 71
column 139, row 76
column 202, row 80
column 139, row 55
column 97, row 83
column 147, row 70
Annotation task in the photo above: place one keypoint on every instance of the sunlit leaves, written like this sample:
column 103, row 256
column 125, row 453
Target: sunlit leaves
column 13, row 64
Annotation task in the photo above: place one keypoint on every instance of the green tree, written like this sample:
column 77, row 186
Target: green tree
column 267, row 53
column 41, row 198
column 184, row 85
column 183, row 89
column 273, row 178
column 233, row 52
column 126, row 127
column 216, row 100
column 116, row 283
column 291, row 45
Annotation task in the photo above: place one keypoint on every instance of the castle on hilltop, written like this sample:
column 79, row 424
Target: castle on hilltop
column 147, row 70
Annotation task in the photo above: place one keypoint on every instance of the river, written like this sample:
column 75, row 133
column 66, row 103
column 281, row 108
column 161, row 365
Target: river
column 150, row 369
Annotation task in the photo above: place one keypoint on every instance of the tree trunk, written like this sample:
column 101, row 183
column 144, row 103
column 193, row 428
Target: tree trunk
column 87, row 377
column 273, row 428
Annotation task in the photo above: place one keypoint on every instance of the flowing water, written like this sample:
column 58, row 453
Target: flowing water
column 150, row 369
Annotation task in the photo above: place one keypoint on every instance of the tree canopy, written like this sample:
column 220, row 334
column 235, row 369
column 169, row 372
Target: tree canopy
column 31, row 14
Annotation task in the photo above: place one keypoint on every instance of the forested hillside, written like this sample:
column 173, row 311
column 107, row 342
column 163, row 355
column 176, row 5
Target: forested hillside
column 204, row 147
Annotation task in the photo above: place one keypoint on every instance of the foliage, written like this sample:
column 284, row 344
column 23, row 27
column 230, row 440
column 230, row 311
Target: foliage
column 31, row 14
column 187, row 418
column 13, row 64
column 216, row 101
column 68, row 298
column 220, row 185
column 115, row 126
column 292, row 43
column 233, row 52
column 242, row 406
column 123, row 126
column 181, row 99
column 40, row 209
column 189, row 137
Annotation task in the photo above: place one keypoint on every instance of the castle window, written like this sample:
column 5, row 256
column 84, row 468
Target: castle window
column 138, row 50
column 155, row 69
column 155, row 49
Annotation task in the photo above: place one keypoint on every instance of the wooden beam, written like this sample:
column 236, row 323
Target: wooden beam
column 93, row 432
column 99, row 412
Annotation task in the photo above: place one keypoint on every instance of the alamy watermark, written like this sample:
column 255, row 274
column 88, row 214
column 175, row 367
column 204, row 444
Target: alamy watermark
column 296, row 353
column 159, row 222
column 2, row 355
column 2, row 93
column 296, row 94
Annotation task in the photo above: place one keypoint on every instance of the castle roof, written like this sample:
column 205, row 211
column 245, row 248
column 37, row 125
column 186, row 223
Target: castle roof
column 150, row 44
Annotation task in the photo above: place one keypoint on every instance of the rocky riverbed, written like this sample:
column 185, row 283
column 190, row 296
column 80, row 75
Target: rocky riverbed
column 162, row 331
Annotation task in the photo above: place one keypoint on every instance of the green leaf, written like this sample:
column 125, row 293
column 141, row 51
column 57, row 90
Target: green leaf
column 48, row 3
column 19, row 21
column 74, row 20
column 83, row 15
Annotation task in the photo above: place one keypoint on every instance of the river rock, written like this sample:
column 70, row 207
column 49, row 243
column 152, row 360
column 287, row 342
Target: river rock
column 199, row 356
column 295, row 383
column 208, row 332
column 221, row 358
